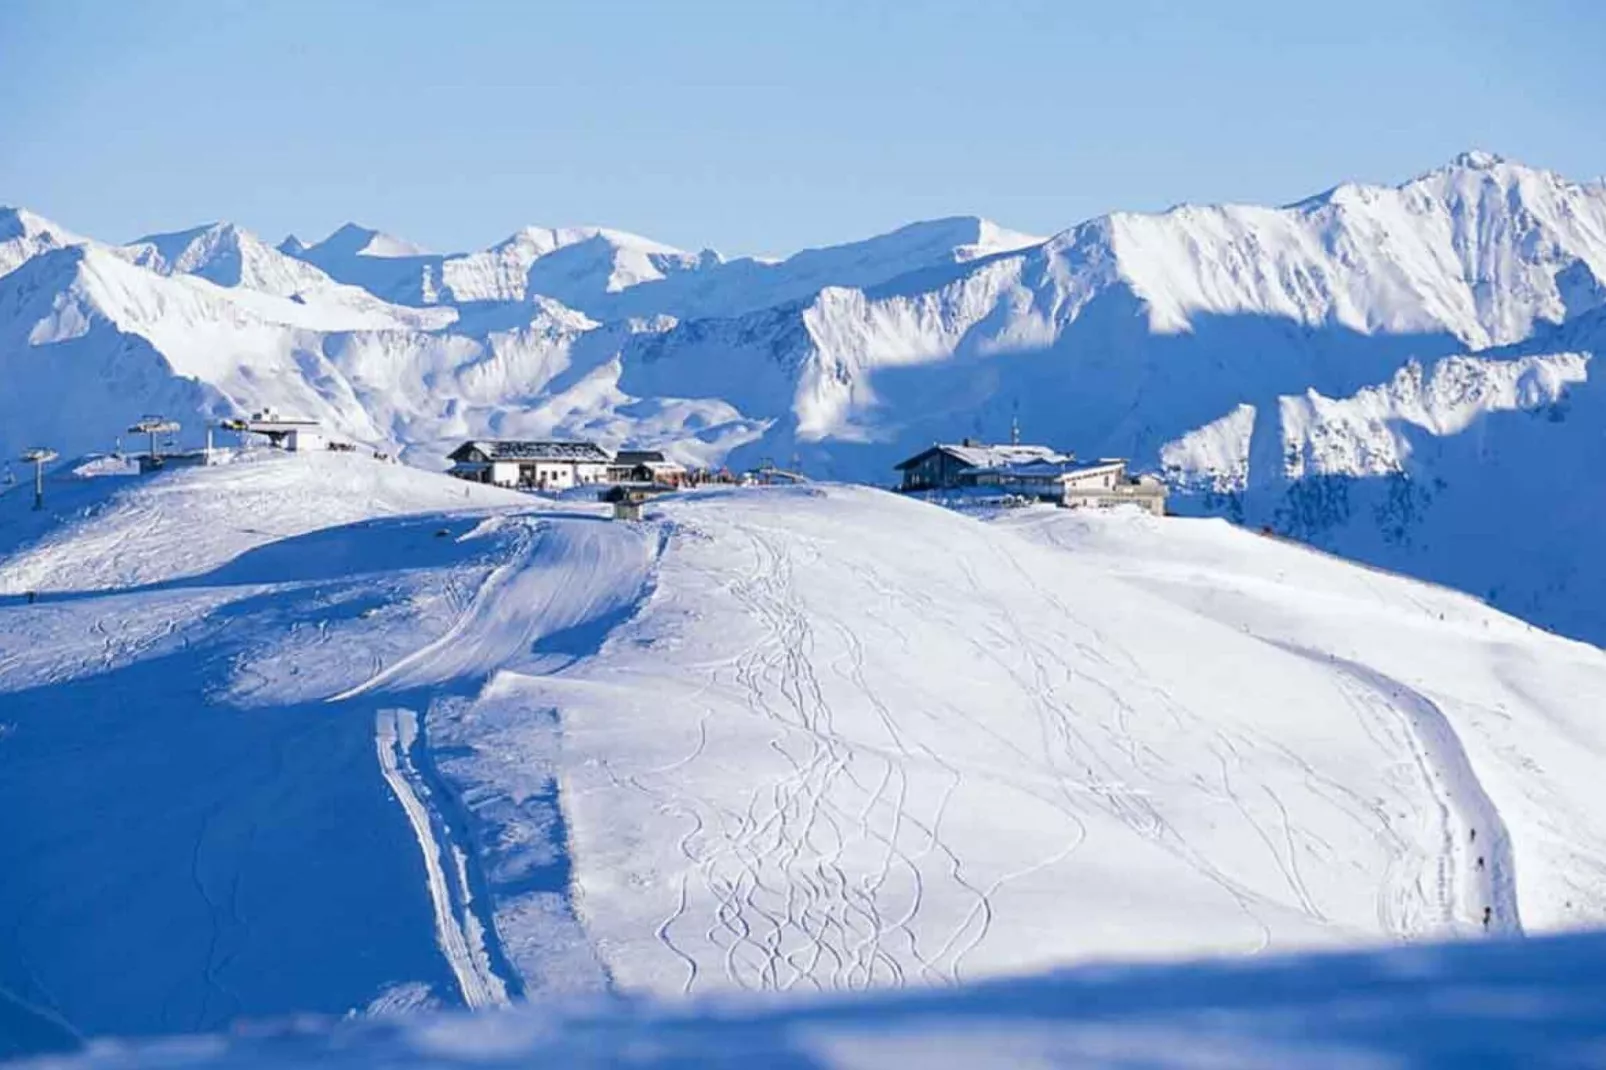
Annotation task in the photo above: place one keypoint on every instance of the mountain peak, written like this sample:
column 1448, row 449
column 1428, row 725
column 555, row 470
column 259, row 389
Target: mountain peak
column 19, row 223
column 1478, row 160
column 225, row 254
column 24, row 234
column 191, row 251
column 354, row 239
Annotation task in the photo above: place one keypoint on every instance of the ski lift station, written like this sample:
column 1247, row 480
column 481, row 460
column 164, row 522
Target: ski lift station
column 282, row 432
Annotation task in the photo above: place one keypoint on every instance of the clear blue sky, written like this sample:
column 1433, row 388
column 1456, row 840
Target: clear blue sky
column 762, row 126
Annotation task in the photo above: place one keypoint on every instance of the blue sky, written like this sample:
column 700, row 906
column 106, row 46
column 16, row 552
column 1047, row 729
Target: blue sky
column 761, row 126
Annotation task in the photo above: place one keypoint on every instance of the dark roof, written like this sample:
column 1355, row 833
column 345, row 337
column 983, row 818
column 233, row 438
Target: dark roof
column 504, row 450
column 639, row 457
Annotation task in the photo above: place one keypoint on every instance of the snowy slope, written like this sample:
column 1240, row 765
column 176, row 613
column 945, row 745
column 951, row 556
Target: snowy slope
column 889, row 678
column 1460, row 673
column 1521, row 1003
column 340, row 734
column 1468, row 471
column 206, row 839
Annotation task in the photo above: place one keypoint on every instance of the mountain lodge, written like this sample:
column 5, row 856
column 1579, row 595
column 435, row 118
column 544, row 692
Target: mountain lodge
column 1039, row 472
column 559, row 465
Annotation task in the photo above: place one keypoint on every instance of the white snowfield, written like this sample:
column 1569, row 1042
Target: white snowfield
column 335, row 737
column 853, row 740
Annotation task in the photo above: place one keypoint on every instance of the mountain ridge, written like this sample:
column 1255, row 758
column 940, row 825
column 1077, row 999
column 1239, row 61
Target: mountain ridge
column 1127, row 334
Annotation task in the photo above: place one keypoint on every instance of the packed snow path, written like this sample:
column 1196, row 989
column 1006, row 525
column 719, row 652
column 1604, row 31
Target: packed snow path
column 1468, row 876
column 457, row 928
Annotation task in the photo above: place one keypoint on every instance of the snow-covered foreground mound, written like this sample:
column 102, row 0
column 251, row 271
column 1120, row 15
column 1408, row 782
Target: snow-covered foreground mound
column 1502, row 1003
column 332, row 737
column 853, row 740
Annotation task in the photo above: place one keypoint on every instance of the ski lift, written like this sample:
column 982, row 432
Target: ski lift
column 153, row 425
column 39, row 456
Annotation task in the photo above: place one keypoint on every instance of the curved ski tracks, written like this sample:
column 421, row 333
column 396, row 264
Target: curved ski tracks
column 1474, row 870
column 790, row 908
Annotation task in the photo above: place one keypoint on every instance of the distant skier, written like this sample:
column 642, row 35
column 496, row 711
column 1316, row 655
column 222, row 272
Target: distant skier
column 1474, row 837
column 1487, row 914
column 33, row 596
column 1480, row 861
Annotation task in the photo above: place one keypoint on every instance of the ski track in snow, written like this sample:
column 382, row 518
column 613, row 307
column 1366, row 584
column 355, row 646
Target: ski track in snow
column 788, row 909
column 786, row 906
column 458, row 931
column 460, row 642
column 1475, row 868
column 496, row 630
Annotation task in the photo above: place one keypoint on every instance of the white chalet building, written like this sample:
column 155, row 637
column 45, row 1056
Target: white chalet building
column 536, row 465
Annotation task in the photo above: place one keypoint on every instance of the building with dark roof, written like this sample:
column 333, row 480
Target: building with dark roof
column 951, row 465
column 535, row 465
column 1032, row 472
column 645, row 466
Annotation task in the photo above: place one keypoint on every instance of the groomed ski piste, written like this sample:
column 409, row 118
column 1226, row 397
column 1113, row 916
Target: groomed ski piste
column 319, row 734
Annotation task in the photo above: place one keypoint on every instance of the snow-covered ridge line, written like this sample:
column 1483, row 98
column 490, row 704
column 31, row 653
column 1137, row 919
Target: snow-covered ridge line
column 1365, row 434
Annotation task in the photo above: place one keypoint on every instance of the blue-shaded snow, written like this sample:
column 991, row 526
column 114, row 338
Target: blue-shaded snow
column 1538, row 1002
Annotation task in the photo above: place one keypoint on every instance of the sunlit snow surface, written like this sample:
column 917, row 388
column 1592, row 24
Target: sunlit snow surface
column 325, row 734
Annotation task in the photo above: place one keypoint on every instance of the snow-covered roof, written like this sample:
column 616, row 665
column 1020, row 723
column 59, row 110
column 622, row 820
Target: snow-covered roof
column 519, row 450
column 981, row 455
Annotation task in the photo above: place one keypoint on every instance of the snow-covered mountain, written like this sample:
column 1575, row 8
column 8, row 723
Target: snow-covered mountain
column 24, row 235
column 1474, row 471
column 1211, row 341
column 580, row 266
column 609, row 274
